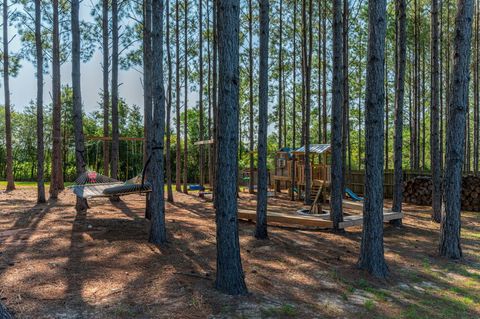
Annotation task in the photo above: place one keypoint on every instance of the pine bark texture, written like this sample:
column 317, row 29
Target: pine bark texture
column 435, row 114
column 158, row 234
column 115, row 129
column 337, row 111
column 251, row 182
column 106, row 89
column 147, row 96
column 185, row 97
column 400, row 62
column 168, row 155
column 6, row 89
column 80, row 162
column 40, row 142
column 230, row 276
column 457, row 108
column 56, row 183
column 178, row 159
column 201, row 149
column 371, row 252
column 261, row 225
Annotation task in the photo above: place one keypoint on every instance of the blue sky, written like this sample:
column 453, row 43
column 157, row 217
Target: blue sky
column 23, row 87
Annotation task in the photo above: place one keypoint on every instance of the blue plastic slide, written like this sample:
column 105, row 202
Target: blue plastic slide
column 352, row 195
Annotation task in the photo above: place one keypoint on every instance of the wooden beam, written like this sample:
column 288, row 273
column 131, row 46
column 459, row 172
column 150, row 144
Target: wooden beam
column 204, row 142
column 287, row 219
column 322, row 220
column 108, row 138
column 357, row 220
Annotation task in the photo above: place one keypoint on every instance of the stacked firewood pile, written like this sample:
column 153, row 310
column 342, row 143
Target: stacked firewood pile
column 418, row 191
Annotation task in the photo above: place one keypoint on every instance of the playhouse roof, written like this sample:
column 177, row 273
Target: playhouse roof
column 314, row 148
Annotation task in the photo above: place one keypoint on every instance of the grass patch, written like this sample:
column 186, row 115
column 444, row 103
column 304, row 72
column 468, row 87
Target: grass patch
column 369, row 305
column 284, row 311
column 24, row 184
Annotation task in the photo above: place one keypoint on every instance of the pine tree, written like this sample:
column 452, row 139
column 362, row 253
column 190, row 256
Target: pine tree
column 115, row 120
column 435, row 101
column 6, row 89
column 56, row 183
column 40, row 134
column 400, row 62
column 337, row 118
column 168, row 156
column 371, row 252
column 229, row 276
column 80, row 161
column 106, row 89
column 261, row 225
column 158, row 233
column 457, row 106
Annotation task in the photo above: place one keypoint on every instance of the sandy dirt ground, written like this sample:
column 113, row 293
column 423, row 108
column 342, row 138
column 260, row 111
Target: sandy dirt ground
column 57, row 263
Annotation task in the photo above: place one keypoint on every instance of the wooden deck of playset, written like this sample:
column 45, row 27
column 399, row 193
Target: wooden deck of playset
column 353, row 218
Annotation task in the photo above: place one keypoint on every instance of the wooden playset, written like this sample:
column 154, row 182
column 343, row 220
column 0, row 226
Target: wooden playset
column 289, row 175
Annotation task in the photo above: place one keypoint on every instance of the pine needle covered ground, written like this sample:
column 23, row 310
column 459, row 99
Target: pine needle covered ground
column 55, row 263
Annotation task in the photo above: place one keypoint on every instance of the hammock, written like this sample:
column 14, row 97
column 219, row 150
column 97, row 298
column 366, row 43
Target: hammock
column 91, row 184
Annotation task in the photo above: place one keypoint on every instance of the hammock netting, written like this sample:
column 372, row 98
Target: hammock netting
column 91, row 184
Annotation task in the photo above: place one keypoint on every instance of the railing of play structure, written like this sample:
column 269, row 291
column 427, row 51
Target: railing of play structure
column 318, row 172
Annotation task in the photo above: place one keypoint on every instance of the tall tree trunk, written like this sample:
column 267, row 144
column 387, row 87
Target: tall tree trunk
column 424, row 129
column 178, row 156
column 6, row 88
column 147, row 77
column 261, row 225
column 115, row 129
column 214, row 95
column 200, row 97
column 158, row 234
column 307, row 59
column 251, row 182
column 346, row 95
column 294, row 101
column 168, row 155
column 80, row 163
column 457, row 108
column 434, row 129
column 106, row 90
column 324, row 73
column 400, row 62
column 337, row 119
column 185, row 97
column 40, row 143
column 281, row 142
column 319, row 71
column 371, row 252
column 476, row 91
column 147, row 96
column 386, row 111
column 359, row 102
column 56, row 183
column 230, row 276
column 210, row 115
column 414, row 134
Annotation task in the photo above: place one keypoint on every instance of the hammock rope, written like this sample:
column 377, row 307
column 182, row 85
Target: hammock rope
column 91, row 184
